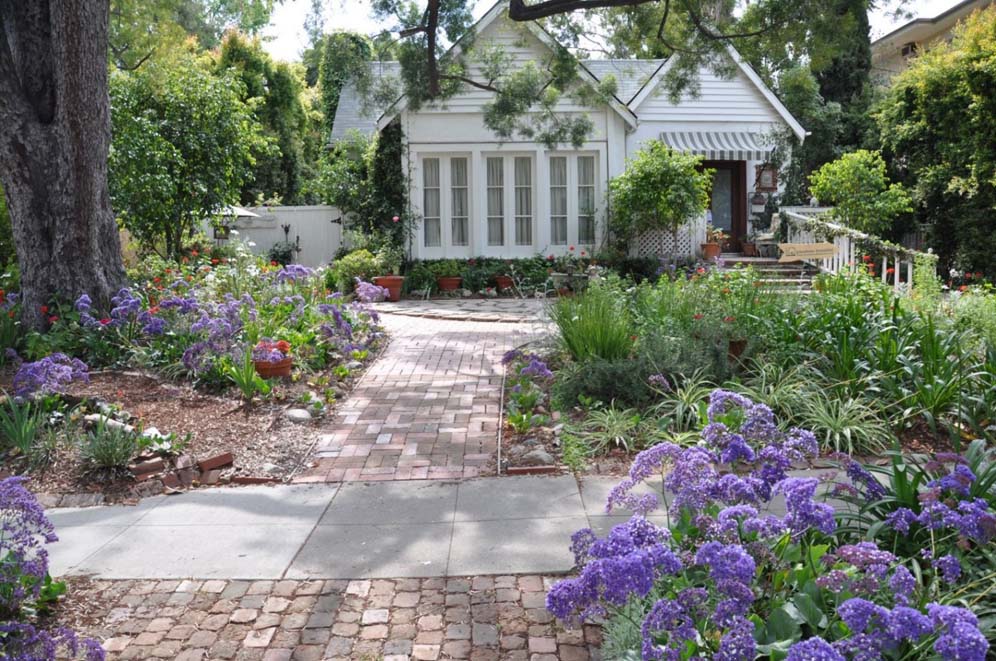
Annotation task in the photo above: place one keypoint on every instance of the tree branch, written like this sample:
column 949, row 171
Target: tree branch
column 518, row 10
column 487, row 87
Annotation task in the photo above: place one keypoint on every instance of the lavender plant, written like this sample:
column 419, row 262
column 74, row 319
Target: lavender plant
column 24, row 583
column 728, row 579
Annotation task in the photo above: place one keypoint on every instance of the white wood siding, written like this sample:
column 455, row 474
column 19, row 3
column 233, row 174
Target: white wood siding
column 719, row 100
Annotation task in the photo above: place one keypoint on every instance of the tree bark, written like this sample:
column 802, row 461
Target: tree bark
column 55, row 132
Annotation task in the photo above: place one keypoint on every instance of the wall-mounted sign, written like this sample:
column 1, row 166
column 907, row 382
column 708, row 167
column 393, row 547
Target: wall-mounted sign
column 797, row 252
column 766, row 178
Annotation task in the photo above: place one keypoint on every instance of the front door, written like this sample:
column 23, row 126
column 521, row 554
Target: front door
column 727, row 201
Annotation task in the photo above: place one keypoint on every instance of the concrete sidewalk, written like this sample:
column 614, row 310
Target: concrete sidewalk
column 512, row 525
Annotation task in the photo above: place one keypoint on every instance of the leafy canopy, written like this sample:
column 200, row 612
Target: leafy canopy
column 857, row 187
column 183, row 146
column 661, row 189
column 936, row 122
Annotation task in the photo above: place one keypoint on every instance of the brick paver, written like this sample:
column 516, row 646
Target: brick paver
column 428, row 408
column 477, row 618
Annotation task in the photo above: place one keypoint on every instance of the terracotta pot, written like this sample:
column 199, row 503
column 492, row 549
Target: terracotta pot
column 737, row 348
column 711, row 250
column 269, row 370
column 750, row 250
column 449, row 282
column 392, row 283
column 503, row 282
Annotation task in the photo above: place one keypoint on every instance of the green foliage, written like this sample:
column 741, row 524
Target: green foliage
column 610, row 428
column 241, row 371
column 344, row 58
column 274, row 91
column 857, row 187
column 594, row 325
column 282, row 253
column 108, row 447
column 661, row 189
column 184, row 145
column 20, row 424
column 936, row 125
column 360, row 264
column 843, row 424
column 364, row 179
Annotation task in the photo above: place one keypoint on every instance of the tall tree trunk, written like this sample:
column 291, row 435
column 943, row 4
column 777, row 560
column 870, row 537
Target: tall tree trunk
column 55, row 131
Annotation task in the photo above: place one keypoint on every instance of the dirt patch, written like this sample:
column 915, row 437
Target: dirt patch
column 264, row 443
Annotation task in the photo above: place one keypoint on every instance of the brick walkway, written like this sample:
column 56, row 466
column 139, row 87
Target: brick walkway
column 481, row 619
column 428, row 407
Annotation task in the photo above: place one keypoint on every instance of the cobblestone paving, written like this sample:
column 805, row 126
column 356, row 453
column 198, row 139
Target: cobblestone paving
column 426, row 409
column 481, row 619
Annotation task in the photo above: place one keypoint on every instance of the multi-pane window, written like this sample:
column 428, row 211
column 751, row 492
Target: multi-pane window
column 496, row 200
column 558, row 200
column 523, row 201
column 431, row 211
column 459, row 197
column 586, row 200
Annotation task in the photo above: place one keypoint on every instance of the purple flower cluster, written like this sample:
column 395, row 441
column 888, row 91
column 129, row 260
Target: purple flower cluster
column 627, row 563
column 972, row 519
column 875, row 630
column 24, row 529
column 535, row 368
column 51, row 374
column 742, row 435
column 368, row 292
column 294, row 272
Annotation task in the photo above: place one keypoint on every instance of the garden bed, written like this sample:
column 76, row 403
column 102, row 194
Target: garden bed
column 264, row 444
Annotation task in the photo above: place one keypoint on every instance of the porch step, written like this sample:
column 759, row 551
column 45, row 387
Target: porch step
column 787, row 277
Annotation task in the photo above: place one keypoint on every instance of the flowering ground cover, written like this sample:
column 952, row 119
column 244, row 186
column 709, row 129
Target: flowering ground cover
column 896, row 568
column 180, row 364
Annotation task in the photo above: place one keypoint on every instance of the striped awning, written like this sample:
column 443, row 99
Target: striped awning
column 720, row 145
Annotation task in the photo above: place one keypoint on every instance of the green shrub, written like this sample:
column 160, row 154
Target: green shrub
column 358, row 264
column 857, row 187
column 108, row 447
column 843, row 424
column 595, row 324
column 622, row 381
column 282, row 253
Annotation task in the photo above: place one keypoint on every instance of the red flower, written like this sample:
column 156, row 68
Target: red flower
column 890, row 270
column 105, row 321
column 157, row 279
column 194, row 253
column 283, row 346
column 632, row 337
column 582, row 253
column 10, row 314
column 978, row 274
column 53, row 319
column 697, row 316
column 273, row 263
column 867, row 258
column 154, row 309
column 44, row 309
column 215, row 260
column 571, row 248
column 550, row 257
column 963, row 288
column 729, row 319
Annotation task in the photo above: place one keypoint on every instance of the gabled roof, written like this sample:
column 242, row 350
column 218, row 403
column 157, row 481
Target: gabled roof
column 493, row 14
column 918, row 28
column 356, row 114
column 651, row 88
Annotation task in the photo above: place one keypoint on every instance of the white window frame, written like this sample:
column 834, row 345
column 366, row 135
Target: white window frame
column 446, row 248
column 510, row 246
column 574, row 211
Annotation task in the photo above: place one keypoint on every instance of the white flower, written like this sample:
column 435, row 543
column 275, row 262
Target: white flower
column 251, row 244
column 233, row 232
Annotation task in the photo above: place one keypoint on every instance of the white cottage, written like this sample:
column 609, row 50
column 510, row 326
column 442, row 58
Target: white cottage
column 479, row 195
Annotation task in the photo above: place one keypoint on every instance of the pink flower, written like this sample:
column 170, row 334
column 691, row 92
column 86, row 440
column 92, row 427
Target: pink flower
column 396, row 218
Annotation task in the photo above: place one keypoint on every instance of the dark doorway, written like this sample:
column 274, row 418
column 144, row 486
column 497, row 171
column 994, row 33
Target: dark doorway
column 728, row 200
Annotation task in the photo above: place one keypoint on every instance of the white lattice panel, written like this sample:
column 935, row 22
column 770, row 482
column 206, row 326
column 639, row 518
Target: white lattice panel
column 661, row 243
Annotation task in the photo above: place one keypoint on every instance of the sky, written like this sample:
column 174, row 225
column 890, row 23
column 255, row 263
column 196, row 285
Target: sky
column 285, row 37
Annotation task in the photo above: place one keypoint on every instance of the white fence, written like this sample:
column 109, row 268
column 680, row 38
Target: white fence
column 893, row 263
column 311, row 228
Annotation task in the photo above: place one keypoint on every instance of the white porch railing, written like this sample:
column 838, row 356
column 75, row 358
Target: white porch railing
column 811, row 225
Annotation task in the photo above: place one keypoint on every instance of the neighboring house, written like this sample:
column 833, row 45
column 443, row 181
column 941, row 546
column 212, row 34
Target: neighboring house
column 478, row 195
column 891, row 53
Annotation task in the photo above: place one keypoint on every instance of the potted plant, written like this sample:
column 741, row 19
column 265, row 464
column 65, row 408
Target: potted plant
column 749, row 246
column 272, row 358
column 503, row 282
column 389, row 258
column 713, row 246
column 568, row 275
column 448, row 276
